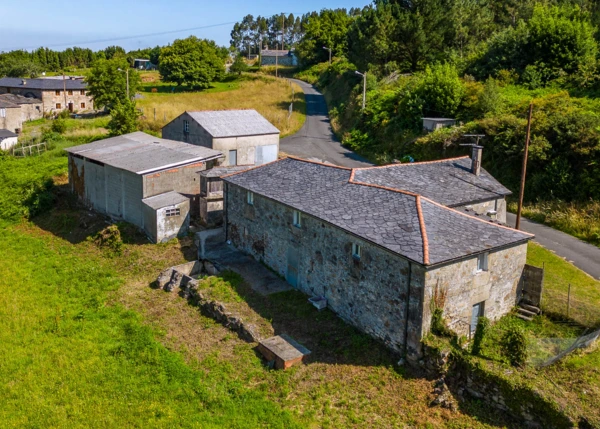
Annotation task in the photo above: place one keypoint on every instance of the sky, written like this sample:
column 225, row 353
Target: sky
column 59, row 24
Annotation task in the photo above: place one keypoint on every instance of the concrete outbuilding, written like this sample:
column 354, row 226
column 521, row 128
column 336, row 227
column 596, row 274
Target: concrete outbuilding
column 166, row 216
column 244, row 137
column 117, row 176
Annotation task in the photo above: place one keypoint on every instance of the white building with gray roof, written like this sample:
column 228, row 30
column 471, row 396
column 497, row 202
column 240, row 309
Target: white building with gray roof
column 125, row 176
column 244, row 137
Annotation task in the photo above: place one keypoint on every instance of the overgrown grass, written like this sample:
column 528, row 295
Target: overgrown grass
column 269, row 96
column 579, row 219
column 559, row 274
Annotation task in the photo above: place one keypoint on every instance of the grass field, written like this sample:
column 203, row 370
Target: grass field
column 269, row 96
column 88, row 342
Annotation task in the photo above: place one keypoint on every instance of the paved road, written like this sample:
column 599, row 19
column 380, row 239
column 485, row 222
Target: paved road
column 315, row 140
column 581, row 254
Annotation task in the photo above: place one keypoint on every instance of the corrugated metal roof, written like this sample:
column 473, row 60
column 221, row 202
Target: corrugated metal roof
column 43, row 84
column 165, row 200
column 142, row 153
column 233, row 123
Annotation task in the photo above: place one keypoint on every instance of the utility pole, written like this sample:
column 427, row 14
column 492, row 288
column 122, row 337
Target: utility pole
column 65, row 88
column 364, row 75
column 524, row 169
column 127, row 79
column 276, row 59
column 328, row 49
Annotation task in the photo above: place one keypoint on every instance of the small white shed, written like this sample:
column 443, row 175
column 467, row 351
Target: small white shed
column 244, row 137
column 8, row 139
column 166, row 216
column 432, row 124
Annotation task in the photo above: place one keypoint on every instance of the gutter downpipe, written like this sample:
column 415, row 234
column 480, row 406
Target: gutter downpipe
column 407, row 310
column 225, row 212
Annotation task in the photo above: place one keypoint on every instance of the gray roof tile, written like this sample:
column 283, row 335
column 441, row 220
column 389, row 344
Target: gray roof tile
column 233, row 123
column 449, row 182
column 43, row 84
column 385, row 217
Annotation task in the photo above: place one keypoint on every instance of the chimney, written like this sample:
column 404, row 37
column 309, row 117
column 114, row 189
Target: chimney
column 476, row 160
column 24, row 82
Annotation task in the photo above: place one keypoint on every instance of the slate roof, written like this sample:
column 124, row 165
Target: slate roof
column 19, row 99
column 142, row 153
column 165, row 200
column 4, row 134
column 5, row 104
column 233, row 123
column 43, row 84
column 410, row 225
column 449, row 182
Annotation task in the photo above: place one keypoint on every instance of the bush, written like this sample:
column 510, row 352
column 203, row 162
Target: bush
column 514, row 346
column 483, row 325
column 110, row 238
column 59, row 126
column 441, row 90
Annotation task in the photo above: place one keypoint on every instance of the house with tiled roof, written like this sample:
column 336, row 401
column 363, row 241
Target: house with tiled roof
column 384, row 246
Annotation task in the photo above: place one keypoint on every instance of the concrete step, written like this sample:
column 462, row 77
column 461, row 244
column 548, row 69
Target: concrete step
column 521, row 316
column 531, row 308
column 526, row 312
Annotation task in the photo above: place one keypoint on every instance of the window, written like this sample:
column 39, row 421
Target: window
column 70, row 92
column 83, row 105
column 233, row 157
column 57, row 92
column 186, row 126
column 2, row 113
column 356, row 251
column 58, row 106
column 82, row 92
column 173, row 212
column 250, row 198
column 297, row 219
column 482, row 262
column 8, row 90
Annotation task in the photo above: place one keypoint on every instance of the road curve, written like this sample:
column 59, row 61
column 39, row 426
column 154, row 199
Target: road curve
column 583, row 255
column 315, row 140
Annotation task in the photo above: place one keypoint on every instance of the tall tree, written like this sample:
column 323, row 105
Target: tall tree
column 192, row 62
column 107, row 82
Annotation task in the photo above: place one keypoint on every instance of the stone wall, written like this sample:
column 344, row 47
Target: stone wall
column 50, row 99
column 483, row 208
column 370, row 293
column 465, row 286
column 11, row 119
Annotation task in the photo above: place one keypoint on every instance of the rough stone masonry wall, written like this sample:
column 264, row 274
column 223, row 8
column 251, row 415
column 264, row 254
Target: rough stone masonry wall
column 11, row 120
column 370, row 294
column 497, row 287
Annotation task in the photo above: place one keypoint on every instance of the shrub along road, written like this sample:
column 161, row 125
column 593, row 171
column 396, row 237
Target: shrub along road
column 316, row 141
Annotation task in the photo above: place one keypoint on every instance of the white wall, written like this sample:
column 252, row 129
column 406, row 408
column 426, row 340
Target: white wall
column 8, row 142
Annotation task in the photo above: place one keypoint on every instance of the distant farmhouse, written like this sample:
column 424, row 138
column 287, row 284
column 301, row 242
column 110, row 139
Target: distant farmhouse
column 143, row 64
column 244, row 136
column 382, row 244
column 150, row 182
column 51, row 93
column 270, row 57
column 14, row 110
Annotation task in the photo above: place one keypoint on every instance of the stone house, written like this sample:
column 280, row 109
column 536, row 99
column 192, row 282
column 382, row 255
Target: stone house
column 31, row 108
column 382, row 256
column 244, row 137
column 150, row 182
column 282, row 57
column 56, row 95
column 10, row 116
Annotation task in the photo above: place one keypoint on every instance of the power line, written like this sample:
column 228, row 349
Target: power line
column 116, row 39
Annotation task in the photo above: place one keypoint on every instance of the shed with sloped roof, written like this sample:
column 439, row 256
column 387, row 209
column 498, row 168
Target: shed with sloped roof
column 244, row 137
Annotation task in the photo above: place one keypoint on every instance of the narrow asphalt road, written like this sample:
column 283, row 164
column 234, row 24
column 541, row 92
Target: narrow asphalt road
column 315, row 140
column 583, row 255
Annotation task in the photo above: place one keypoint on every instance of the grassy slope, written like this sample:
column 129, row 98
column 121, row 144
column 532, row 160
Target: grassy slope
column 269, row 96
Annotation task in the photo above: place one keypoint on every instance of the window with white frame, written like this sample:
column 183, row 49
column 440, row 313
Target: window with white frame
column 250, row 198
column 297, row 219
column 356, row 251
column 186, row 126
column 2, row 113
column 173, row 212
column 482, row 262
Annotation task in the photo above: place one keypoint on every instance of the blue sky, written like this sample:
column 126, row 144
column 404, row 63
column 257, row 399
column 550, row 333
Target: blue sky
column 60, row 23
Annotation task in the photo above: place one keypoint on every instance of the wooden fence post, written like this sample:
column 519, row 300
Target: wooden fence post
column 569, row 300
